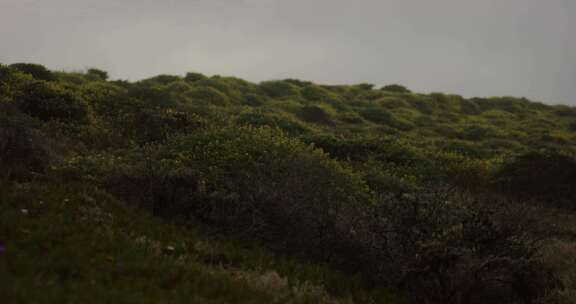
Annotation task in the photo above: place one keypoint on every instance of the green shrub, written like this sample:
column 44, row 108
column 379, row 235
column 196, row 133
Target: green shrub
column 106, row 99
column 193, row 77
column 96, row 74
column 383, row 149
column 49, row 101
column 10, row 80
column 276, row 120
column 279, row 89
column 36, row 70
column 315, row 114
column 208, row 96
column 384, row 117
column 318, row 93
column 161, row 79
column 261, row 182
column 465, row 148
column 153, row 93
column 351, row 117
column 377, row 115
column 254, row 100
column 478, row 133
column 24, row 151
column 444, row 247
column 395, row 88
column 75, row 78
column 145, row 125
column 393, row 103
column 565, row 111
column 546, row 176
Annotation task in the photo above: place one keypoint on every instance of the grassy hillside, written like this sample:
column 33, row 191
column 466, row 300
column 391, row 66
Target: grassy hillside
column 178, row 189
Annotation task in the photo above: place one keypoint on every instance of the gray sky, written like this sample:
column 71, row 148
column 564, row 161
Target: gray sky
column 470, row 47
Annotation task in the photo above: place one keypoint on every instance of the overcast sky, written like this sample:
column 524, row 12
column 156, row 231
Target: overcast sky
column 470, row 47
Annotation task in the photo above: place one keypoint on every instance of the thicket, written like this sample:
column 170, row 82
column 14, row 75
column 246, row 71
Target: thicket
column 422, row 194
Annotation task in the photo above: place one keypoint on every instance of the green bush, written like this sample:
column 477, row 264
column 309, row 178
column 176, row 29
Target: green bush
column 254, row 100
column 351, row 118
column 24, row 150
column 377, row 115
column 319, row 94
column 279, row 89
column 153, row 93
column 276, row 120
column 443, row 247
column 395, row 88
column 364, row 148
column 49, row 101
column 208, row 96
column 381, row 116
column 161, row 79
column 193, row 77
column 106, row 99
column 159, row 124
column 316, row 114
column 393, row 103
column 478, row 133
column 545, row 176
column 261, row 182
column 96, row 74
column 36, row 70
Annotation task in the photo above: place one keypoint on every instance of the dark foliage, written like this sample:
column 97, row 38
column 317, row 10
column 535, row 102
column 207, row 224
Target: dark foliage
column 48, row 101
column 36, row 70
column 395, row 88
column 548, row 177
column 24, row 152
column 386, row 186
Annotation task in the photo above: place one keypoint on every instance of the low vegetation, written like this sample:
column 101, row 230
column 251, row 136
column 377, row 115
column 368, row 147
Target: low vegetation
column 178, row 189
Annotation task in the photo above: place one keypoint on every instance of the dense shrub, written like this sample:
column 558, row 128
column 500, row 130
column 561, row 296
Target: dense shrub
column 36, row 70
column 9, row 80
column 443, row 247
column 377, row 115
column 383, row 149
column 320, row 94
column 193, row 77
column 393, row 103
column 269, row 185
column 106, row 99
column 75, row 78
column 208, row 96
column 395, row 88
column 254, row 100
column 351, row 118
column 24, row 151
column 549, row 177
column 49, row 101
column 384, row 117
column 478, row 132
column 162, row 79
column 313, row 171
column 159, row 124
column 96, row 74
column 281, row 121
column 316, row 114
column 153, row 94
column 279, row 89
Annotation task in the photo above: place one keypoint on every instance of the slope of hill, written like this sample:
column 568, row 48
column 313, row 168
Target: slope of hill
column 217, row 190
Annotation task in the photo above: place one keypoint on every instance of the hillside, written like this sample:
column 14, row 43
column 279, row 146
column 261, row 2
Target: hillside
column 179, row 189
